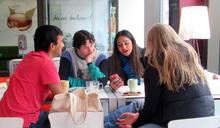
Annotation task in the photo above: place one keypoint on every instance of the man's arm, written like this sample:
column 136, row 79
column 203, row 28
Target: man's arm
column 94, row 71
column 54, row 89
column 74, row 82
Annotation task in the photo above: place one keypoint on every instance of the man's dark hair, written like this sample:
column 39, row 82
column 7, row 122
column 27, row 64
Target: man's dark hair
column 44, row 36
column 80, row 38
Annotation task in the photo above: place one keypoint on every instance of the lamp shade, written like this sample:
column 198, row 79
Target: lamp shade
column 194, row 23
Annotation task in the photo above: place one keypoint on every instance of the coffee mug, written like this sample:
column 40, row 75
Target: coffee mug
column 93, row 86
column 132, row 84
column 65, row 85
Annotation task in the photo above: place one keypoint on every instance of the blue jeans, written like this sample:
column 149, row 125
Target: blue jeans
column 111, row 118
column 42, row 122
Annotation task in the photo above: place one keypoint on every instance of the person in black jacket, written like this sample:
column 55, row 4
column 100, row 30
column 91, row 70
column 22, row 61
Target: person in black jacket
column 175, row 83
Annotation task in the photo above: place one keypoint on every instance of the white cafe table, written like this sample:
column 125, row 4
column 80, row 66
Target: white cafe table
column 123, row 98
column 112, row 99
column 214, row 86
column 108, row 100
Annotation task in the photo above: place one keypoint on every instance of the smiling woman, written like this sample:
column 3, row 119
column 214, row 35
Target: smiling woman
column 125, row 61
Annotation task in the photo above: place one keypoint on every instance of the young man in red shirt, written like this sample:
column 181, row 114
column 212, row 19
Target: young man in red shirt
column 34, row 78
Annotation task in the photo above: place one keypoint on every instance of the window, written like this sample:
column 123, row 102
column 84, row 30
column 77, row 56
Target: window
column 94, row 16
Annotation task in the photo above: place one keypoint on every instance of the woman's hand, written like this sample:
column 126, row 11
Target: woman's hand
column 127, row 119
column 116, row 82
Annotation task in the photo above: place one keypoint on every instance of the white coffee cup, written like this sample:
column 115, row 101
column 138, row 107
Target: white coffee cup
column 65, row 85
column 93, row 86
column 132, row 84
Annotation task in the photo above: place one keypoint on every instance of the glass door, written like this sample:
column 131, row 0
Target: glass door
column 95, row 16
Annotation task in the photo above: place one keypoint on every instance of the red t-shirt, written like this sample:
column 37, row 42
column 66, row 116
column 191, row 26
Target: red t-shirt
column 28, row 88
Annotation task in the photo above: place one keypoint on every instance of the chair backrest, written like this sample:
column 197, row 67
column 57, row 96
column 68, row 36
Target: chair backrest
column 11, row 122
column 60, row 120
column 201, row 122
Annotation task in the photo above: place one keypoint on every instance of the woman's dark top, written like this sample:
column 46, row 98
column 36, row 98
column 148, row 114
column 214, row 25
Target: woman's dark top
column 162, row 105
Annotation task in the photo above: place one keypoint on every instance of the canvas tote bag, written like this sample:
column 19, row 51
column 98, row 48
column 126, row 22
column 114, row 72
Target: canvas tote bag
column 85, row 109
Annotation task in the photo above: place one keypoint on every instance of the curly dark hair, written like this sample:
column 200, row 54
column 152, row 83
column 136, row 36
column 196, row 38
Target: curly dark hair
column 80, row 38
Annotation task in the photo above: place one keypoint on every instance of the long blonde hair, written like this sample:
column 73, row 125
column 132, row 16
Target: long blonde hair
column 175, row 60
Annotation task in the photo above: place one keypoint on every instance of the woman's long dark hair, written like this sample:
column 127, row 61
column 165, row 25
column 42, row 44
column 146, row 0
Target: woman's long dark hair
column 134, row 56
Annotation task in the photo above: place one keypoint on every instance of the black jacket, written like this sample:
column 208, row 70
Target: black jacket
column 162, row 105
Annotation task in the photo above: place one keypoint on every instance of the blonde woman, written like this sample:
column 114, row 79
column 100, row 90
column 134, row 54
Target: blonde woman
column 175, row 83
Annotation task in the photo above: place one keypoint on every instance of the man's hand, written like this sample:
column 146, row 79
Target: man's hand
column 90, row 58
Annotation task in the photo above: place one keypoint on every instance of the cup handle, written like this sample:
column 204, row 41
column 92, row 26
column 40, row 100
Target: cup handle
column 101, row 86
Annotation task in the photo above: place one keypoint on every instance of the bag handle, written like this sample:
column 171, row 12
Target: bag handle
column 73, row 108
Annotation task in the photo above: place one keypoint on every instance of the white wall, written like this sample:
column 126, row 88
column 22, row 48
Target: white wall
column 213, row 43
column 131, row 17
column 138, row 16
column 152, row 14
